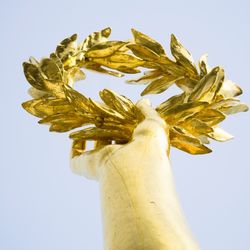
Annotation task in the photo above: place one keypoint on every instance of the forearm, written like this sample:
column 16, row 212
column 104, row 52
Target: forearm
column 139, row 203
column 140, row 206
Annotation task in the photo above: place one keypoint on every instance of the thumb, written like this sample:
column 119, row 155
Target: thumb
column 152, row 118
column 88, row 163
column 145, row 106
column 153, row 130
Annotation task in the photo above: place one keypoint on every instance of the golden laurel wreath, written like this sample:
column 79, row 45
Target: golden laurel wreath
column 193, row 116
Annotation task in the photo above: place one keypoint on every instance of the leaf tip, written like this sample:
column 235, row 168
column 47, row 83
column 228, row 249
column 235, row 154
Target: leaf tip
column 106, row 32
column 173, row 38
column 73, row 37
column 24, row 105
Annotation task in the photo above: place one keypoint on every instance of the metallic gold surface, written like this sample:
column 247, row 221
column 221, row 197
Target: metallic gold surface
column 193, row 116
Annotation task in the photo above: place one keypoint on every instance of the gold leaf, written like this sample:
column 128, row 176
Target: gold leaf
column 118, row 61
column 183, row 111
column 210, row 116
column 57, row 118
column 29, row 106
column 125, row 58
column 51, row 70
column 147, row 41
column 186, row 84
column 98, row 134
column 143, row 52
column 33, row 76
column 128, row 70
column 204, row 68
column 229, row 106
column 208, row 86
column 170, row 103
column 44, row 107
column 63, row 126
column 58, row 62
column 33, row 61
column 160, row 85
column 95, row 38
column 65, row 122
column 104, row 110
column 195, row 126
column 78, row 147
column 104, row 49
column 187, row 143
column 203, row 139
column 126, row 127
column 101, row 143
column 148, row 75
column 77, row 100
column 74, row 75
column 119, row 103
column 182, row 56
column 67, row 47
column 170, row 67
column 97, row 67
column 219, row 134
column 229, row 89
column 229, row 110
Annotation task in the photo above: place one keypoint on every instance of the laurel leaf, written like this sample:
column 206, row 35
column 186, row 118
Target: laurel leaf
column 64, row 122
column 97, row 67
column 51, row 70
column 187, row 143
column 181, row 112
column 204, row 68
column 210, row 116
column 147, row 77
column 104, row 49
column 147, row 41
column 118, row 62
column 66, row 50
column 195, row 126
column 143, row 52
column 160, row 85
column 219, row 134
column 77, row 100
column 229, row 89
column 182, row 56
column 33, row 76
column 229, row 110
column 78, row 147
column 104, row 110
column 170, row 103
column 98, row 134
column 208, row 86
column 229, row 106
column 44, row 107
column 95, row 38
column 119, row 103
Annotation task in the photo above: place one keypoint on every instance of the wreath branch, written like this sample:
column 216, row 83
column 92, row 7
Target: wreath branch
column 193, row 116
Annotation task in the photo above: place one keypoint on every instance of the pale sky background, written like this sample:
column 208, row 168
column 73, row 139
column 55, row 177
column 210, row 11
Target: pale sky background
column 43, row 206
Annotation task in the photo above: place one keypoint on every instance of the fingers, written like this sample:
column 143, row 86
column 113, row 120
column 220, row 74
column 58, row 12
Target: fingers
column 89, row 163
column 152, row 118
column 145, row 106
column 150, row 113
column 84, row 165
column 153, row 129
